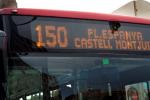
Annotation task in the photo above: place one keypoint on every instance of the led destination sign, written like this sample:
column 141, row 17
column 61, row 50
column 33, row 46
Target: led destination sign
column 86, row 35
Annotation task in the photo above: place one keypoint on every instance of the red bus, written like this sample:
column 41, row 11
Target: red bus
column 66, row 55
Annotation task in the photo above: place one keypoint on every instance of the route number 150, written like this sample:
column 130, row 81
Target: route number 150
column 51, row 36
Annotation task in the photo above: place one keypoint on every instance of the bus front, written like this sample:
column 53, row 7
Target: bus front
column 62, row 58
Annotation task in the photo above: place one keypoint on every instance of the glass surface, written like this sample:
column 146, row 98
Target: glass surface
column 77, row 78
column 31, row 33
column 74, row 59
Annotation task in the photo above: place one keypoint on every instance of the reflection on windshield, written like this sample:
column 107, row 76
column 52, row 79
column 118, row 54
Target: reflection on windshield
column 78, row 78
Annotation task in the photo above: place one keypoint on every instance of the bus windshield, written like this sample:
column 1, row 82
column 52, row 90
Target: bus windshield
column 78, row 78
column 77, row 59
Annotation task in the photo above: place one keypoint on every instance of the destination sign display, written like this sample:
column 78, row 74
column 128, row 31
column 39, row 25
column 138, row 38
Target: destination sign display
column 61, row 34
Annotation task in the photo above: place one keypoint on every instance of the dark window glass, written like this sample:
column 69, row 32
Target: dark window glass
column 1, row 23
column 45, row 33
column 65, row 59
column 78, row 78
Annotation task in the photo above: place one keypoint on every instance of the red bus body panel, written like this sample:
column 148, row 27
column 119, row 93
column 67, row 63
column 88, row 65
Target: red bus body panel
column 74, row 14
